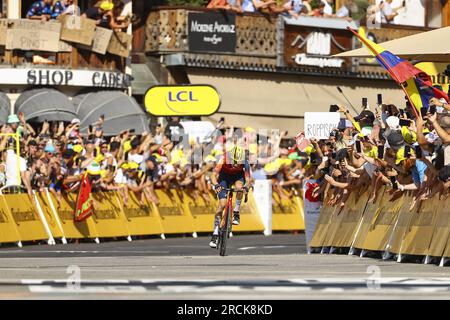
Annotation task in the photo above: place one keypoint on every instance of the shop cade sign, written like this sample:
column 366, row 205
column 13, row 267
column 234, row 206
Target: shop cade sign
column 182, row 100
column 64, row 77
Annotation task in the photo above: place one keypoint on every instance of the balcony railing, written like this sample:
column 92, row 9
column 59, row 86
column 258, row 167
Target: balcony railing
column 261, row 42
column 26, row 43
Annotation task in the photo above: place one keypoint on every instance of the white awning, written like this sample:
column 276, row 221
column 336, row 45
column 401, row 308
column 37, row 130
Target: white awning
column 431, row 46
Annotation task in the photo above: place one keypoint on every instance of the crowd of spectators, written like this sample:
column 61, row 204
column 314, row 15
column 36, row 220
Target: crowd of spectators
column 382, row 11
column 106, row 13
column 56, row 155
column 384, row 146
column 388, row 146
column 293, row 8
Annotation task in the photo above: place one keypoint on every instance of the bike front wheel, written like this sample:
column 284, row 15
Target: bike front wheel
column 224, row 234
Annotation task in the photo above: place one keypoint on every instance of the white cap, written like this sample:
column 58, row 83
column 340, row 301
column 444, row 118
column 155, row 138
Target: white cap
column 75, row 121
column 393, row 122
column 366, row 131
column 431, row 137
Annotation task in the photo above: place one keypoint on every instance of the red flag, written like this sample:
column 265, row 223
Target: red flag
column 84, row 207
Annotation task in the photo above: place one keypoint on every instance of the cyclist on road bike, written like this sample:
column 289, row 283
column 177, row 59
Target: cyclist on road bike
column 232, row 169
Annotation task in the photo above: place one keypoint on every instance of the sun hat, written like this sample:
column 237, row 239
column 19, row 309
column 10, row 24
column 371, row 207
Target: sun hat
column 400, row 155
column 49, row 148
column 393, row 122
column 106, row 5
column 13, row 118
column 93, row 168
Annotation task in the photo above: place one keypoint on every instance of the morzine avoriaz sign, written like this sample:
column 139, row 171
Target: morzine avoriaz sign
column 213, row 32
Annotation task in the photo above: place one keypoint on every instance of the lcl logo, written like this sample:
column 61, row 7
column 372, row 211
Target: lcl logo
column 182, row 100
column 181, row 96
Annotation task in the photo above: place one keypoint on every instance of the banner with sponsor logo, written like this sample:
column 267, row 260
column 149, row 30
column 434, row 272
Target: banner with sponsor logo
column 182, row 100
column 318, row 125
column 213, row 32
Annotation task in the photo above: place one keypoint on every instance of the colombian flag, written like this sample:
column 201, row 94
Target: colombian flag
column 417, row 84
column 420, row 92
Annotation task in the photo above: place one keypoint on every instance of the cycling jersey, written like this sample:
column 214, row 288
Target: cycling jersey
column 232, row 169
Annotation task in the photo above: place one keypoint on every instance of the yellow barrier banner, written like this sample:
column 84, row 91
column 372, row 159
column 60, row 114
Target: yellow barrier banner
column 8, row 230
column 250, row 217
column 371, row 210
column 108, row 217
column 201, row 211
column 287, row 214
column 439, row 246
column 173, row 218
column 23, row 211
column 336, row 219
column 351, row 216
column 71, row 229
column 420, row 231
column 401, row 226
column 140, row 219
column 50, row 217
column 322, row 226
column 382, row 224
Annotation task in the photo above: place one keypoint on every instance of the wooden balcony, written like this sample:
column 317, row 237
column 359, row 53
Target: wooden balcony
column 262, row 42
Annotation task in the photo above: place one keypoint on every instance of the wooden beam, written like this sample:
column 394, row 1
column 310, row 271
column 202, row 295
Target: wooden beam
column 446, row 14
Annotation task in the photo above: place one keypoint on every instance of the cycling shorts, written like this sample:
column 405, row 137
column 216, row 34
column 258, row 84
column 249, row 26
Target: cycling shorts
column 227, row 181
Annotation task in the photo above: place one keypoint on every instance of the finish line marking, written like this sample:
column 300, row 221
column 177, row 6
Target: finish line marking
column 199, row 286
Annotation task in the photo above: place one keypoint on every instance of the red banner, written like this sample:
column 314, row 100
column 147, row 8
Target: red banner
column 85, row 203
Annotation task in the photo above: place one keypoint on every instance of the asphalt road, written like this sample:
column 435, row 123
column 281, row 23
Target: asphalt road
column 257, row 267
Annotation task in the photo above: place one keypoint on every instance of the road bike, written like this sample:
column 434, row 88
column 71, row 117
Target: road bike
column 226, row 221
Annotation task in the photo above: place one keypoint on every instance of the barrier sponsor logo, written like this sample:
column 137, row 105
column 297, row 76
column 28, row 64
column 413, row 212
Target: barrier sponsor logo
column 169, row 211
column 204, row 210
column 188, row 100
column 23, row 215
column 137, row 212
column 105, row 214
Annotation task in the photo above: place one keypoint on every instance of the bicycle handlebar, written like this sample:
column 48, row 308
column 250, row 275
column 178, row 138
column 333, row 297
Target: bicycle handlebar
column 246, row 190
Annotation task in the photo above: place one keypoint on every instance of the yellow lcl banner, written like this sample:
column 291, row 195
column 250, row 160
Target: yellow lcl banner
column 185, row 100
column 436, row 72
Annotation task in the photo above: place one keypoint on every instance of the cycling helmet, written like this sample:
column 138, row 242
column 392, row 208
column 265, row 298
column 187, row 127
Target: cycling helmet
column 237, row 154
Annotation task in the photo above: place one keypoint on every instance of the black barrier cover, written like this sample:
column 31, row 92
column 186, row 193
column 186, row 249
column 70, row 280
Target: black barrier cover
column 213, row 32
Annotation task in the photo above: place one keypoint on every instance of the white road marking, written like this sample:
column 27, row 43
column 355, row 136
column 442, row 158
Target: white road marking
column 261, row 247
column 93, row 289
column 81, row 251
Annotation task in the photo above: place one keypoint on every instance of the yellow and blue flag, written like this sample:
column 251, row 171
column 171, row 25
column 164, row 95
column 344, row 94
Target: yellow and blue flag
column 417, row 84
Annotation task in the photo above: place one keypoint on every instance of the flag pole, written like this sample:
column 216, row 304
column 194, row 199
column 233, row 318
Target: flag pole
column 384, row 62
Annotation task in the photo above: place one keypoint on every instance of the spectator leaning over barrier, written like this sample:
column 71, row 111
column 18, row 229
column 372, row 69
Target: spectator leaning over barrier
column 257, row 5
column 41, row 10
column 65, row 7
column 234, row 5
column 387, row 12
column 295, row 8
column 101, row 14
